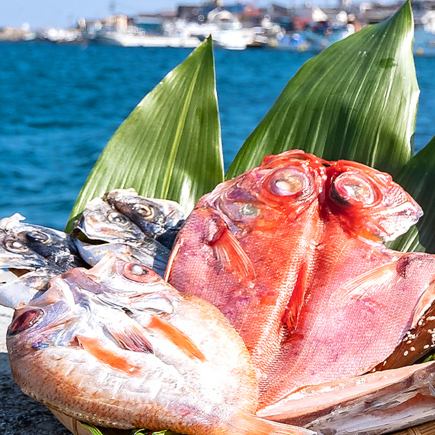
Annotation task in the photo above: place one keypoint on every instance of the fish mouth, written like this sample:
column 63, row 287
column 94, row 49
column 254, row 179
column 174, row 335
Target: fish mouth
column 16, row 261
column 79, row 234
column 19, row 272
column 11, row 274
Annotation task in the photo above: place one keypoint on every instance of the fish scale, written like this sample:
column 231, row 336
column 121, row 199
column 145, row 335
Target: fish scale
column 336, row 301
column 110, row 361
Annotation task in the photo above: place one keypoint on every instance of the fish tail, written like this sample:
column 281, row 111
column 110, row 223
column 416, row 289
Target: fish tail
column 243, row 423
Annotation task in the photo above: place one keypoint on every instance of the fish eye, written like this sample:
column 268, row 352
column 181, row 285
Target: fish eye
column 38, row 237
column 289, row 182
column 351, row 188
column 15, row 246
column 135, row 272
column 145, row 211
column 25, row 321
column 117, row 218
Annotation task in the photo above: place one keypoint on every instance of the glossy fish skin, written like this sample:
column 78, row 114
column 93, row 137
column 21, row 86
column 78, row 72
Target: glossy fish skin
column 291, row 252
column 14, row 254
column 374, row 403
column 31, row 242
column 24, row 273
column 99, row 221
column 158, row 218
column 237, row 242
column 148, row 252
column 116, row 233
column 119, row 347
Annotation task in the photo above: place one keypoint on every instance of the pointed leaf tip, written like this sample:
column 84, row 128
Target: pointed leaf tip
column 356, row 100
column 170, row 145
column 402, row 20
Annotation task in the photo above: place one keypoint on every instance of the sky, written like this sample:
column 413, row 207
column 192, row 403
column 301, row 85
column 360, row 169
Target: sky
column 62, row 13
column 41, row 13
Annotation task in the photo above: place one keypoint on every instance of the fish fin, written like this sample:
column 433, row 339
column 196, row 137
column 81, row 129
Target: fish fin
column 243, row 423
column 419, row 337
column 171, row 259
column 296, row 302
column 130, row 338
column 177, row 337
column 368, row 282
column 106, row 355
column 231, row 255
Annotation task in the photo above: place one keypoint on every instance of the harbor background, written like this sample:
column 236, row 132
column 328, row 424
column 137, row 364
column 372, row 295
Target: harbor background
column 65, row 90
column 66, row 86
column 60, row 104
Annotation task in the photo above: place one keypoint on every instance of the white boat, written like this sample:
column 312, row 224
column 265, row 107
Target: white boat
column 61, row 36
column 138, row 38
column 225, row 29
column 119, row 31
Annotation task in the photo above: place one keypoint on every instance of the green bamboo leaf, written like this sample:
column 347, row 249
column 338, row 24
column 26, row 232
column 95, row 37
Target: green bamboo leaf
column 92, row 429
column 356, row 100
column 418, row 178
column 430, row 358
column 169, row 146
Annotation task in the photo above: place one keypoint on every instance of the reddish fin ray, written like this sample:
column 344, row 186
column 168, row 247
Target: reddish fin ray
column 171, row 259
column 296, row 302
column 106, row 356
column 177, row 337
column 231, row 255
column 130, row 338
column 382, row 276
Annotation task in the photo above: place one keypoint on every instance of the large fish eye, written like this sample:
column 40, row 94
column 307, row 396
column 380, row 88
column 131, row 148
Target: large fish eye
column 289, row 182
column 352, row 188
column 144, row 210
column 25, row 321
column 117, row 218
column 37, row 236
column 135, row 272
column 15, row 246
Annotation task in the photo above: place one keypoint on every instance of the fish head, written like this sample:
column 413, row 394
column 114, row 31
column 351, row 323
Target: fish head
column 45, row 241
column 368, row 202
column 15, row 253
column 279, row 190
column 99, row 221
column 153, row 216
column 139, row 286
column 47, row 320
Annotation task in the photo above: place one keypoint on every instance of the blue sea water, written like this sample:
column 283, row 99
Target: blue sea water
column 60, row 104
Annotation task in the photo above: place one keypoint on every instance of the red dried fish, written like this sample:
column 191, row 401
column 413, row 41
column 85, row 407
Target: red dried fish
column 292, row 253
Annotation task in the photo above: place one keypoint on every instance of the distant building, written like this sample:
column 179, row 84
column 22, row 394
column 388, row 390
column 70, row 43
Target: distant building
column 22, row 33
column 372, row 13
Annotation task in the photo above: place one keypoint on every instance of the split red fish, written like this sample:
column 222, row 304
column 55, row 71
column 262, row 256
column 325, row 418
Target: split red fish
column 292, row 253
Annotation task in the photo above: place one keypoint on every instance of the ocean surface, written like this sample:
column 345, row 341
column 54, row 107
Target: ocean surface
column 59, row 105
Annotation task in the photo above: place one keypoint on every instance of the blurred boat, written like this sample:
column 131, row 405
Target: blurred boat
column 226, row 30
column 294, row 41
column 314, row 38
column 120, row 31
column 14, row 34
column 134, row 37
column 61, row 36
